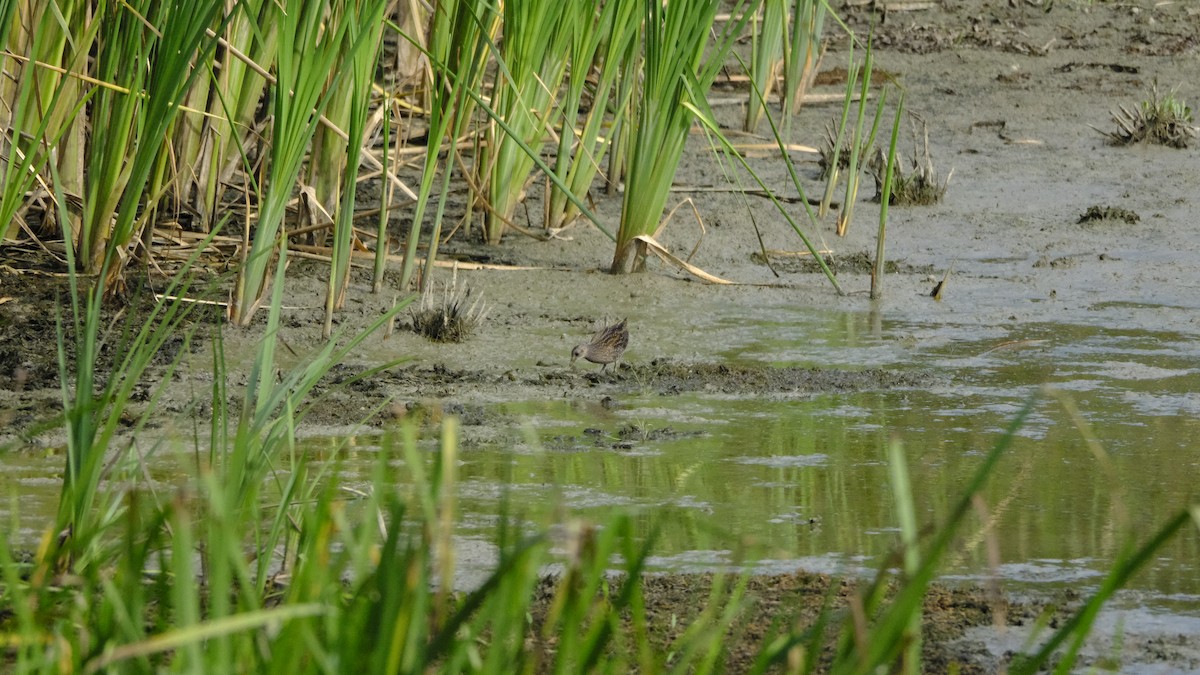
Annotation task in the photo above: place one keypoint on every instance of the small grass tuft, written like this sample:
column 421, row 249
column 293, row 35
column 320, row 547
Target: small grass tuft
column 1161, row 119
column 917, row 183
column 1111, row 213
column 454, row 319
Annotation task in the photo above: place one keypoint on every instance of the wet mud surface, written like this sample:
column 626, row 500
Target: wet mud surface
column 952, row 619
column 1043, row 221
column 773, row 604
column 422, row 388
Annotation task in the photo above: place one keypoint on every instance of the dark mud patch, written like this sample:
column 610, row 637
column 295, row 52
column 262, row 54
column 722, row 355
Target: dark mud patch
column 41, row 306
column 1026, row 28
column 26, row 414
column 663, row 376
column 28, row 329
column 853, row 263
column 932, row 32
column 671, row 377
column 774, row 604
column 354, row 395
column 1065, row 262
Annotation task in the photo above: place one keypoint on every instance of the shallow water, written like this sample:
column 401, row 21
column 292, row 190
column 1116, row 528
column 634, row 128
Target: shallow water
column 781, row 481
column 801, row 479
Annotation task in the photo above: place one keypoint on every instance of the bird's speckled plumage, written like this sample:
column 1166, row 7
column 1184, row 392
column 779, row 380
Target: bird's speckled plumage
column 606, row 346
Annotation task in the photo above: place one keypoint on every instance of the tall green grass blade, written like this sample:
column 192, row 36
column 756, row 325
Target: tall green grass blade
column 533, row 55
column 49, row 43
column 608, row 46
column 311, row 61
column 801, row 53
column 122, row 59
column 382, row 241
column 907, row 517
column 457, row 52
column 806, row 644
column 1076, row 629
column 26, row 634
column 185, row 605
column 435, row 236
column 885, row 199
column 364, row 29
column 677, row 77
column 853, row 173
column 251, row 42
column 700, row 646
column 42, row 113
column 766, row 53
column 835, row 168
column 483, row 105
column 93, row 417
column 624, row 112
column 273, row 405
column 191, row 637
column 129, row 147
column 710, row 125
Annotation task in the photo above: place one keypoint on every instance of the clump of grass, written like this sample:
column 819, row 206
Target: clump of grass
column 680, row 63
column 1161, row 119
column 918, row 183
column 1114, row 213
column 454, row 319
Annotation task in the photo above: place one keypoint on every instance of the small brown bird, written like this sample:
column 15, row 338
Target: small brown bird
column 605, row 347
